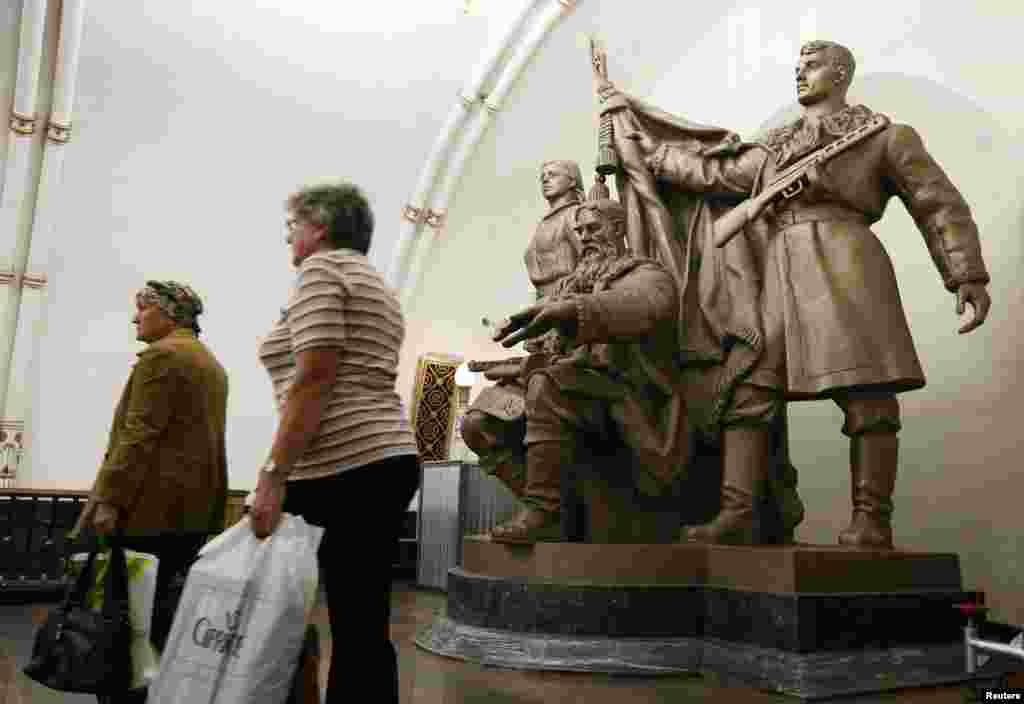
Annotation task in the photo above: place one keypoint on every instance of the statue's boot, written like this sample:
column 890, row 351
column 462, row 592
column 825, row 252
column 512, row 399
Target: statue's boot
column 498, row 445
column 746, row 457
column 507, row 466
column 541, row 520
column 874, row 461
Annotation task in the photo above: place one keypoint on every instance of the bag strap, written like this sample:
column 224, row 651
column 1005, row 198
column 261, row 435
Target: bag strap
column 76, row 590
column 115, row 598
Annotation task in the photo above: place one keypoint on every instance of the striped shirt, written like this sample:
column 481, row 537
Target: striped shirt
column 341, row 301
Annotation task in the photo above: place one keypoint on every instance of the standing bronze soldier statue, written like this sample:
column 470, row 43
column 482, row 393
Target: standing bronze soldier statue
column 806, row 291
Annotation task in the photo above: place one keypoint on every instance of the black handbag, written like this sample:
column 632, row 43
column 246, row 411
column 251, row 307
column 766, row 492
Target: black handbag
column 86, row 651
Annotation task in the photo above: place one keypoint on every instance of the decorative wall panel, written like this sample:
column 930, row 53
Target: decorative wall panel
column 433, row 405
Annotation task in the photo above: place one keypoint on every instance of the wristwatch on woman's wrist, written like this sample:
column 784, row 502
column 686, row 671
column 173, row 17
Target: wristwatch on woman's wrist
column 271, row 468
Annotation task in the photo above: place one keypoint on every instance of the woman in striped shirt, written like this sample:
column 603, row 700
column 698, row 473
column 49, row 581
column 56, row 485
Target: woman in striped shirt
column 344, row 456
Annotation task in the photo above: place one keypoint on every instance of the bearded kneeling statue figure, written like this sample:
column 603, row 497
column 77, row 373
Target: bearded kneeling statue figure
column 608, row 381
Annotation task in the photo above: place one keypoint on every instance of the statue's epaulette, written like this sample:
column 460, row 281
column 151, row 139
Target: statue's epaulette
column 775, row 138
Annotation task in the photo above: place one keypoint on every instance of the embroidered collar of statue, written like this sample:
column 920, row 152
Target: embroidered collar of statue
column 798, row 139
column 554, row 211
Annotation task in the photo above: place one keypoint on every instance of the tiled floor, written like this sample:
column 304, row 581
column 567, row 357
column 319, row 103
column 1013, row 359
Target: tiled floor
column 428, row 679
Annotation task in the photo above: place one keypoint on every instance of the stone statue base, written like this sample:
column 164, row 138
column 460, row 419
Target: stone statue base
column 805, row 620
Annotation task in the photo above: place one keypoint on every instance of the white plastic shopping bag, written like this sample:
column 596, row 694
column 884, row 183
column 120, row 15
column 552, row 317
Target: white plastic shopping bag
column 142, row 568
column 242, row 618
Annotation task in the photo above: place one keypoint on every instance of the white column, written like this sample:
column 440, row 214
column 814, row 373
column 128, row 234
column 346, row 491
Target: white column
column 438, row 212
column 415, row 214
column 14, row 246
column 31, row 319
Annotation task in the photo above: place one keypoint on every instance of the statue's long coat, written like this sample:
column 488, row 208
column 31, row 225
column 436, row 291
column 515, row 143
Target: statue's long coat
column 625, row 352
column 821, row 288
column 829, row 303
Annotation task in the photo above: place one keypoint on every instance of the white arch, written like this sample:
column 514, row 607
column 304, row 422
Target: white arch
column 415, row 214
column 523, row 52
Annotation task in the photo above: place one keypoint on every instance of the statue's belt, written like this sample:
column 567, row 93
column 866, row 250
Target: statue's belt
column 788, row 217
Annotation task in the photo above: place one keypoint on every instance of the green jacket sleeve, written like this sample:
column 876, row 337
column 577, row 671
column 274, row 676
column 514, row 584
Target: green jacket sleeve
column 132, row 456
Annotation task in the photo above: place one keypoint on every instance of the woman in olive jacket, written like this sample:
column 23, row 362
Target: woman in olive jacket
column 163, row 482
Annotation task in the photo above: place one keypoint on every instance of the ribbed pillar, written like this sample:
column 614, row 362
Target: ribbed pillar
column 437, row 214
column 31, row 321
column 15, row 238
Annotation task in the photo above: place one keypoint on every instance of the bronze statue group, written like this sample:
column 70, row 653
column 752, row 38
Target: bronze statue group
column 729, row 279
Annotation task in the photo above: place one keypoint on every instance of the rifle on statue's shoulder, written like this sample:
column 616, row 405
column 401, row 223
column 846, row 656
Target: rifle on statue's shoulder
column 513, row 368
column 483, row 365
column 790, row 183
column 497, row 369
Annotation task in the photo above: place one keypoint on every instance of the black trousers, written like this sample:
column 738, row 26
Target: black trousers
column 176, row 553
column 362, row 511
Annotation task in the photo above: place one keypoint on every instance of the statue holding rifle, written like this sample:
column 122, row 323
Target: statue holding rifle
column 790, row 292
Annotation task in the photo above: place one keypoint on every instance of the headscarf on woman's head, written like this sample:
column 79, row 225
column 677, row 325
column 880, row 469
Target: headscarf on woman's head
column 178, row 301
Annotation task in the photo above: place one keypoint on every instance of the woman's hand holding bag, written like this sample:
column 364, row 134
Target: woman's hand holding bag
column 86, row 651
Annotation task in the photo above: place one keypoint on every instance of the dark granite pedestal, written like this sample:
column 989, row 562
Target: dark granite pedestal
column 809, row 621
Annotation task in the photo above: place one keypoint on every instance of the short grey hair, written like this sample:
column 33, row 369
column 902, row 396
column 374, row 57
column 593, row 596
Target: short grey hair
column 340, row 207
column 839, row 56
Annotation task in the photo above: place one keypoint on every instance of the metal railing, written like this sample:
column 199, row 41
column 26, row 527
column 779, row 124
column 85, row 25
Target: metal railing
column 34, row 524
column 33, row 529
column 973, row 644
column 456, row 499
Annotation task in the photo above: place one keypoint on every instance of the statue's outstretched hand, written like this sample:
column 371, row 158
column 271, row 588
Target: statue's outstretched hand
column 977, row 295
column 514, row 322
column 537, row 320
